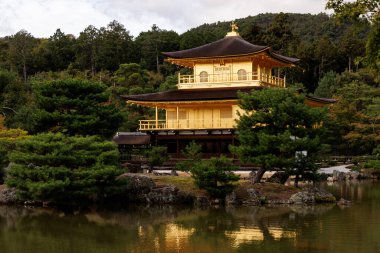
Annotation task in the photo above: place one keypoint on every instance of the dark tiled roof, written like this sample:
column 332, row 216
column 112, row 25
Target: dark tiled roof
column 321, row 100
column 228, row 46
column 191, row 94
column 131, row 138
column 284, row 58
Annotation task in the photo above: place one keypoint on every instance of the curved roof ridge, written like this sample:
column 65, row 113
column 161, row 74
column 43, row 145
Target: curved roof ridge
column 227, row 46
column 284, row 58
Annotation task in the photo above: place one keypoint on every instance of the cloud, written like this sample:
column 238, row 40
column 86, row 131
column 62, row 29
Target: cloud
column 42, row 17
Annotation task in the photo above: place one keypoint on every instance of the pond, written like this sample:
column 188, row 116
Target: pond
column 322, row 228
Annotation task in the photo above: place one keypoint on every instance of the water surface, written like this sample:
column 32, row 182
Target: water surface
column 322, row 228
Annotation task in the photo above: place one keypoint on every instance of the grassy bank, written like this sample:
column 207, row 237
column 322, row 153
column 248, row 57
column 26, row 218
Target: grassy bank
column 271, row 191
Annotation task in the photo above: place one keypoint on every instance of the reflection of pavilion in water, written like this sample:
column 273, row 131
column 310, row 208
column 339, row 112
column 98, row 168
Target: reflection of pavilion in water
column 178, row 238
column 246, row 235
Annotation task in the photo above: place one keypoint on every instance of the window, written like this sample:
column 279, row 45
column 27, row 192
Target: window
column 203, row 76
column 242, row 74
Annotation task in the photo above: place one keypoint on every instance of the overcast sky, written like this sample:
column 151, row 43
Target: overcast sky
column 42, row 17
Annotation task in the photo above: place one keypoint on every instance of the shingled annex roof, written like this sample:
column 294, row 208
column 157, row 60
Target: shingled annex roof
column 318, row 102
column 228, row 46
column 191, row 94
column 131, row 138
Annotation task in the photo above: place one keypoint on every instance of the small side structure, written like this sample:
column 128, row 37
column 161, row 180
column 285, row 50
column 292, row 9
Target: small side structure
column 131, row 145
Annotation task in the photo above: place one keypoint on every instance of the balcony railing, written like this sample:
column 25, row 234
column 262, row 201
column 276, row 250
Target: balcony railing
column 152, row 124
column 184, row 124
column 251, row 78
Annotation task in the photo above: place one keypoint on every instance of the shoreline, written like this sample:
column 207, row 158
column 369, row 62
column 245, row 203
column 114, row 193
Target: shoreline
column 175, row 190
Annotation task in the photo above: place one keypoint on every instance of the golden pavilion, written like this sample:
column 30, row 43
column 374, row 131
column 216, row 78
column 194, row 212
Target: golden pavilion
column 205, row 106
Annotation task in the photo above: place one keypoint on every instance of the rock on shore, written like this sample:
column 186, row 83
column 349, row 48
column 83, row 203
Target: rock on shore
column 142, row 188
column 312, row 196
column 8, row 196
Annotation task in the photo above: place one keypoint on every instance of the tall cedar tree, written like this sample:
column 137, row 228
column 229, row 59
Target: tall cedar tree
column 276, row 124
column 75, row 107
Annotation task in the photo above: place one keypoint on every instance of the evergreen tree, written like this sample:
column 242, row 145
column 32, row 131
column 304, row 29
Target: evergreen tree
column 20, row 51
column 152, row 43
column 327, row 85
column 277, row 124
column 61, row 50
column 115, row 46
column 355, row 118
column 73, row 107
column 65, row 170
column 215, row 175
column 157, row 156
column 87, row 49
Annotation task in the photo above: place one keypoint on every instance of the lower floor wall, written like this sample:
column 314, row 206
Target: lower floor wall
column 212, row 145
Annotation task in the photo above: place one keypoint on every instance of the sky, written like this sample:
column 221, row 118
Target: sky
column 42, row 18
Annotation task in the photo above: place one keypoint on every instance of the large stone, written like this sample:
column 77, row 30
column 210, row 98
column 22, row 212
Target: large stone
column 339, row 176
column 252, row 197
column 279, row 177
column 137, row 183
column 312, row 196
column 163, row 194
column 303, row 197
column 322, row 196
column 8, row 196
column 353, row 175
column 231, row 199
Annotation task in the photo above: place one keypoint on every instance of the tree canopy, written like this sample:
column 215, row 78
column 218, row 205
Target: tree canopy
column 53, row 167
column 277, row 124
column 368, row 9
column 73, row 107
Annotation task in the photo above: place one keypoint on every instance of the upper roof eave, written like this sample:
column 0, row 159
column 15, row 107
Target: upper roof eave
column 233, row 46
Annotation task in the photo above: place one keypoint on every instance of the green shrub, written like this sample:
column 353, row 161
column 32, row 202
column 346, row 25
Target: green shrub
column 373, row 164
column 8, row 139
column 157, row 156
column 53, row 167
column 215, row 176
column 192, row 153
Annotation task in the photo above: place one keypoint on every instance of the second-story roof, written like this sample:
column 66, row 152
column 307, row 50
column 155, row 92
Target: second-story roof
column 190, row 95
column 209, row 95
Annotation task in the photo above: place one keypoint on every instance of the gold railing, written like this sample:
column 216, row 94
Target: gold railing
column 152, row 124
column 235, row 77
column 184, row 124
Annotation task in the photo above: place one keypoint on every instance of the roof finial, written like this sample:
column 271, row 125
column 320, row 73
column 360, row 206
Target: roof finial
column 234, row 30
column 234, row 27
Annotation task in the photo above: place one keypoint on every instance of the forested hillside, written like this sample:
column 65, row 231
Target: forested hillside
column 319, row 41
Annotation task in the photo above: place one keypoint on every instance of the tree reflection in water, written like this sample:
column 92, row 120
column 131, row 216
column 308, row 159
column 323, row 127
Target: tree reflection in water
column 177, row 229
